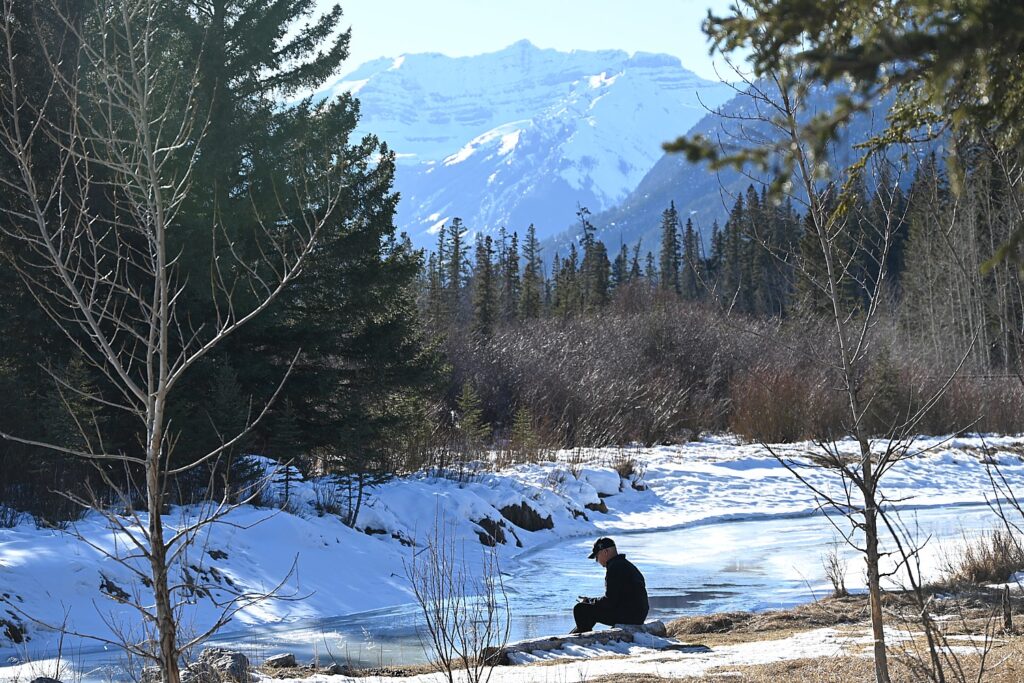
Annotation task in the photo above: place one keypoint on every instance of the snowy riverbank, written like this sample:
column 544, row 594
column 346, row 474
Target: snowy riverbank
column 50, row 577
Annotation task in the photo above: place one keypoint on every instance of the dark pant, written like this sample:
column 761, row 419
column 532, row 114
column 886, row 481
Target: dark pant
column 587, row 614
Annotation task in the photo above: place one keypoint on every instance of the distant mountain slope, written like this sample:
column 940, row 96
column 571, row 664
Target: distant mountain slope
column 705, row 196
column 523, row 135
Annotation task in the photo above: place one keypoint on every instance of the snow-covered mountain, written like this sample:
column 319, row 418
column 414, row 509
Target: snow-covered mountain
column 525, row 134
column 706, row 196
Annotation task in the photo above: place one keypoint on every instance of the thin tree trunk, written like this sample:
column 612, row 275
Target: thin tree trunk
column 871, row 558
column 166, row 629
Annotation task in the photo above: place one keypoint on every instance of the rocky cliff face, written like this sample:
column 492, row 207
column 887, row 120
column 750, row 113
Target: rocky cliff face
column 523, row 135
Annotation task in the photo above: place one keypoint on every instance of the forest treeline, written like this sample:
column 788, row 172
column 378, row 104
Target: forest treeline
column 662, row 344
column 380, row 359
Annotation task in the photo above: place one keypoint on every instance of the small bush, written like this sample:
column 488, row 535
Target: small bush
column 327, row 499
column 991, row 557
column 629, row 468
column 835, row 571
column 625, row 464
column 9, row 517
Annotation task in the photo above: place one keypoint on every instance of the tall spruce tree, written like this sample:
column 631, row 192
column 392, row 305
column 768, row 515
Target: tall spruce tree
column 715, row 257
column 733, row 264
column 532, row 297
column 811, row 292
column 635, row 272
column 691, row 280
column 620, row 267
column 597, row 277
column 434, row 305
column 594, row 273
column 485, row 295
column 670, row 255
column 511, row 282
column 651, row 270
column 457, row 271
column 567, row 298
column 352, row 312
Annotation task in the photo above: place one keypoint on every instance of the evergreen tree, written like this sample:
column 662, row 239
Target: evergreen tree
column 485, row 303
column 733, row 264
column 472, row 431
column 587, row 228
column 567, row 297
column 511, row 284
column 692, row 276
column 533, row 277
column 72, row 416
column 634, row 264
column 435, row 317
column 812, row 295
column 594, row 272
column 33, row 479
column 597, row 277
column 551, row 285
column 524, row 437
column 457, row 270
column 284, row 437
column 776, row 278
column 352, row 313
column 620, row 267
column 670, row 255
column 225, row 409
column 651, row 270
column 717, row 255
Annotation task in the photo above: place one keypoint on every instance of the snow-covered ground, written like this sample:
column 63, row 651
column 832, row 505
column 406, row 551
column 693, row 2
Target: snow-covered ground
column 52, row 577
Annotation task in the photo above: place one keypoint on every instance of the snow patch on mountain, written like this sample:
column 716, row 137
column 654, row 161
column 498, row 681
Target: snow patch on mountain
column 506, row 137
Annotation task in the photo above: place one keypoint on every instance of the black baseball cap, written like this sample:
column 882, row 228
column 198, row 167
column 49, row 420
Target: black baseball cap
column 599, row 545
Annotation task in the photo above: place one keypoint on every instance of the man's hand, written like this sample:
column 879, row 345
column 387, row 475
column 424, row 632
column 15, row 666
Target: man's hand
column 585, row 599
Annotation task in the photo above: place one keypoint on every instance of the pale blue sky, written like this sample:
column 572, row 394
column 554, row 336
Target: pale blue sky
column 388, row 28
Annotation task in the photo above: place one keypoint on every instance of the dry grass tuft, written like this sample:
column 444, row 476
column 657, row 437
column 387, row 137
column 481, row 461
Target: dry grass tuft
column 728, row 627
column 990, row 557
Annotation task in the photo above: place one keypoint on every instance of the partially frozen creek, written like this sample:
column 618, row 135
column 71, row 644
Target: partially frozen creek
column 735, row 565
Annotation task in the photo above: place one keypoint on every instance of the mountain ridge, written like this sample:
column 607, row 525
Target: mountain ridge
column 522, row 135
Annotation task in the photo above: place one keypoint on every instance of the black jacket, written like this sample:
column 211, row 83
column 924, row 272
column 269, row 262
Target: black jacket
column 625, row 591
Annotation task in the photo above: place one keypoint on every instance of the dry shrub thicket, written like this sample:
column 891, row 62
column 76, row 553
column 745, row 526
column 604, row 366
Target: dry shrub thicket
column 665, row 372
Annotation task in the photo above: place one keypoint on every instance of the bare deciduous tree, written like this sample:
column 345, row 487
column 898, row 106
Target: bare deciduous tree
column 94, row 248
column 463, row 601
column 842, row 270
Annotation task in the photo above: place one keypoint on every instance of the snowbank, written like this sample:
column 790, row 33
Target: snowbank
column 49, row 578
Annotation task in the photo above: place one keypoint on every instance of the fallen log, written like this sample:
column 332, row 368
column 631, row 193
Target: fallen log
column 620, row 633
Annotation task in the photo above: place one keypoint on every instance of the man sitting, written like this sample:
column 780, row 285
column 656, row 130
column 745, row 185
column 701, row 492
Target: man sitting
column 625, row 592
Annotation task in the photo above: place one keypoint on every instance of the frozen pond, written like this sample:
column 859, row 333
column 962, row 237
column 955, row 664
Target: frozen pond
column 735, row 565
